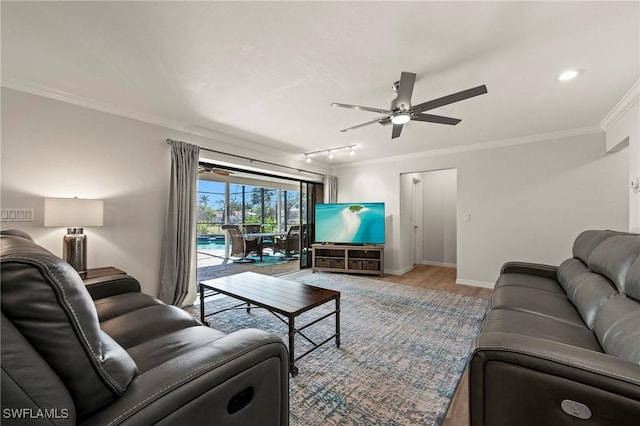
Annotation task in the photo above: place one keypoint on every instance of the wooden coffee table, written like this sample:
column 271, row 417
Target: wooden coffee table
column 285, row 299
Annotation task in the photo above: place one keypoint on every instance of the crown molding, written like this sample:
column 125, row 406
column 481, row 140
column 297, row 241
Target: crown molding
column 501, row 143
column 62, row 96
column 201, row 131
column 621, row 108
column 630, row 98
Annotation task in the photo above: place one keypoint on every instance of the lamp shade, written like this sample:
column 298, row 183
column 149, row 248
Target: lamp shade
column 72, row 212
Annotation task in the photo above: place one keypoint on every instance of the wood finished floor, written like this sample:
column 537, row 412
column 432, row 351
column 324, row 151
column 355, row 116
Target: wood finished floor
column 424, row 276
column 444, row 279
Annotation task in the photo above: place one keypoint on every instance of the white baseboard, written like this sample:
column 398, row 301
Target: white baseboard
column 444, row 264
column 402, row 271
column 472, row 283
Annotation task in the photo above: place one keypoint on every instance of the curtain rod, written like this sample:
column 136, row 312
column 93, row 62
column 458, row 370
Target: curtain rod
column 255, row 160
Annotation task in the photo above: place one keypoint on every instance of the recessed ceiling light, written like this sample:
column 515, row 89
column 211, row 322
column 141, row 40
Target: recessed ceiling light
column 568, row 75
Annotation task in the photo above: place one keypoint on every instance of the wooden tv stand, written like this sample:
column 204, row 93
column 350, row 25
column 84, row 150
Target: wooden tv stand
column 365, row 259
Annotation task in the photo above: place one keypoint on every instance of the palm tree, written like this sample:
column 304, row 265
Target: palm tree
column 204, row 199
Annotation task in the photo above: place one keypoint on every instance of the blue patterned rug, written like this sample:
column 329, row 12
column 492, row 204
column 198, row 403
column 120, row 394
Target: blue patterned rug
column 403, row 351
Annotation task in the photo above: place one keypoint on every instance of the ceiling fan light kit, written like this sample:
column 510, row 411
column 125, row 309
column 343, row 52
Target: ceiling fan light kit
column 401, row 118
column 401, row 111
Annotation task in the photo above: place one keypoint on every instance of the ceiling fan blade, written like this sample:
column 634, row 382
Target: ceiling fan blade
column 385, row 122
column 405, row 90
column 397, row 129
column 430, row 118
column 363, row 108
column 449, row 99
column 377, row 120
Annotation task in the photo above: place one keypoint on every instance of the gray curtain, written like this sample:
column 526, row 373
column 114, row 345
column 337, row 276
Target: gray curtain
column 177, row 263
column 330, row 189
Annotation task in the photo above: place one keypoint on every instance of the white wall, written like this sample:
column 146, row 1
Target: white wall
column 439, row 223
column 55, row 149
column 527, row 201
column 626, row 133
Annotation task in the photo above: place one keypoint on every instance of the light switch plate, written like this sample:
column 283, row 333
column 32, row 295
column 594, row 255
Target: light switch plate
column 17, row 215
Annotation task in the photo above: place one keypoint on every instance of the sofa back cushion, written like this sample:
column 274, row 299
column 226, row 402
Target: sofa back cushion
column 617, row 327
column 583, row 246
column 568, row 271
column 613, row 258
column 47, row 302
column 632, row 282
column 588, row 291
column 587, row 241
column 29, row 383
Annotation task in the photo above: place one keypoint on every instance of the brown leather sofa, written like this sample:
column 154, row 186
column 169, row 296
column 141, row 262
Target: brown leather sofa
column 107, row 354
column 561, row 345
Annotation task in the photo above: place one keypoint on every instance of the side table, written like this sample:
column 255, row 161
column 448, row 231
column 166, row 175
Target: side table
column 101, row 272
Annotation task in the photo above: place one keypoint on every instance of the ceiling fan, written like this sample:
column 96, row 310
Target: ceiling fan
column 401, row 111
column 220, row 172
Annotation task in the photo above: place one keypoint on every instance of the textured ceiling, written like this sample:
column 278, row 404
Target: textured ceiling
column 267, row 71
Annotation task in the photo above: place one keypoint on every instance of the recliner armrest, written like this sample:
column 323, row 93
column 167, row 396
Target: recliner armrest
column 199, row 386
column 538, row 269
column 111, row 285
column 510, row 368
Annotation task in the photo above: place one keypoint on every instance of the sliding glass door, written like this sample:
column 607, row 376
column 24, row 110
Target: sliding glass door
column 272, row 205
column 310, row 195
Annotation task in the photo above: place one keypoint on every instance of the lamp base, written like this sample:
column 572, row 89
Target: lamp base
column 74, row 249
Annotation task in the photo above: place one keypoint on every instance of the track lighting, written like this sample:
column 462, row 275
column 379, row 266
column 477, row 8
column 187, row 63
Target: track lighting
column 330, row 152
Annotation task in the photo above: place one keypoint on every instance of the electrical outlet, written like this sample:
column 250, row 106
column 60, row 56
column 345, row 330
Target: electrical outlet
column 466, row 217
column 635, row 184
column 17, row 215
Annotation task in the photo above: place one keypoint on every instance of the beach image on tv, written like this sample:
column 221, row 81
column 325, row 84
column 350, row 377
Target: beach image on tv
column 354, row 223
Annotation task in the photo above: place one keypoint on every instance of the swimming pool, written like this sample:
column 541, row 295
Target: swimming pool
column 211, row 245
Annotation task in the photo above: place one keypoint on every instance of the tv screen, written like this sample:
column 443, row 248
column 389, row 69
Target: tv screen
column 350, row 223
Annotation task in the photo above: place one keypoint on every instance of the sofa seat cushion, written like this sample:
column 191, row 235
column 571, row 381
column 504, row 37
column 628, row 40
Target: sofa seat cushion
column 155, row 352
column 142, row 325
column 114, row 306
column 531, row 325
column 536, row 302
column 529, row 281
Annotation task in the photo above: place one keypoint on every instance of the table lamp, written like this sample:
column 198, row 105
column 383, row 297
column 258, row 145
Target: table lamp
column 74, row 213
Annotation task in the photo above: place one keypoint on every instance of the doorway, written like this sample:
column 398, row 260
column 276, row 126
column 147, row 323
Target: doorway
column 432, row 217
column 268, row 210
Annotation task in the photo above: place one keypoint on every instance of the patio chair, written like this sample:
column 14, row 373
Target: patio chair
column 252, row 228
column 242, row 246
column 255, row 228
column 290, row 244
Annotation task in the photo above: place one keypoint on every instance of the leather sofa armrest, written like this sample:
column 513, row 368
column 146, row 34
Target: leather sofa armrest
column 538, row 269
column 504, row 365
column 111, row 285
column 204, row 385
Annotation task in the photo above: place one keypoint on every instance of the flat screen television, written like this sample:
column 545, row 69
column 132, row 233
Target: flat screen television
column 350, row 223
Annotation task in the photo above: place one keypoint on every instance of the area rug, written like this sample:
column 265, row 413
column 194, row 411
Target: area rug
column 402, row 353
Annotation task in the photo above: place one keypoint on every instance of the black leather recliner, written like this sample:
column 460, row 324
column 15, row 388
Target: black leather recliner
column 561, row 345
column 124, row 358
